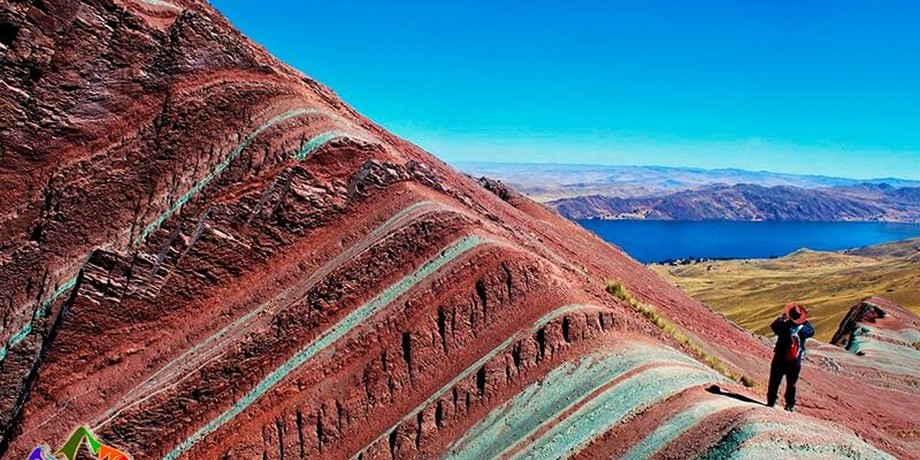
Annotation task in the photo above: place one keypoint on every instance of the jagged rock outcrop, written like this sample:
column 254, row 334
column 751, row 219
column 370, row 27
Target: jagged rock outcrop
column 206, row 254
column 883, row 332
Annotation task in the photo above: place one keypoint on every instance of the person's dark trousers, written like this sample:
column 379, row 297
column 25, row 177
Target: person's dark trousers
column 778, row 369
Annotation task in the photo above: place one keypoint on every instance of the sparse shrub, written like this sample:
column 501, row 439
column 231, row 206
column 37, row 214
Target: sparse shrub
column 619, row 290
column 917, row 344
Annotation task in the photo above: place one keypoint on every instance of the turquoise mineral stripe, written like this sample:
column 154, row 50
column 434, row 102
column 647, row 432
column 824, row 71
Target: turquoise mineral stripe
column 21, row 335
column 735, row 443
column 305, row 150
column 892, row 351
column 27, row 329
column 68, row 285
column 221, row 167
column 476, row 366
column 679, row 424
column 736, row 437
column 563, row 388
column 185, row 361
column 316, row 142
column 15, row 339
column 371, row 238
column 611, row 407
column 337, row 331
column 540, row 403
column 376, row 233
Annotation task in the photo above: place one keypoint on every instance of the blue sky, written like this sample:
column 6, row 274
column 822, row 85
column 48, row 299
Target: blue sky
column 796, row 86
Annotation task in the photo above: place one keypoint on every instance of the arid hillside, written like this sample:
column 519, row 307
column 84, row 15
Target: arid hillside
column 752, row 292
column 206, row 254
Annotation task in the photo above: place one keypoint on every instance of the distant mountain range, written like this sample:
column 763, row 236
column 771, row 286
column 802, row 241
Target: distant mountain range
column 653, row 192
column 755, row 202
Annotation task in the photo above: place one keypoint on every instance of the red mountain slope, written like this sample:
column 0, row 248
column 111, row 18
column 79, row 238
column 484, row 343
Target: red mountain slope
column 206, row 254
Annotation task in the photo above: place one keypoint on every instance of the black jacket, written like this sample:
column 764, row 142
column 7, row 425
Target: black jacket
column 783, row 328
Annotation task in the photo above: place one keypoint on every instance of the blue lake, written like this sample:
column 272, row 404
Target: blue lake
column 656, row 241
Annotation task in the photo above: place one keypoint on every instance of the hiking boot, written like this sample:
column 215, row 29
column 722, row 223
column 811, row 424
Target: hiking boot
column 789, row 408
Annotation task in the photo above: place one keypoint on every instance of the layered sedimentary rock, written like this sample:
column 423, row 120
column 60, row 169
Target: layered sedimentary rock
column 206, row 254
column 885, row 334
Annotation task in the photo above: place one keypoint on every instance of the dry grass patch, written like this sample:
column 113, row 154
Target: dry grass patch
column 751, row 292
column 619, row 290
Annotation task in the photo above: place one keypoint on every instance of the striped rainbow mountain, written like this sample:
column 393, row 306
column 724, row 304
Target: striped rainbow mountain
column 205, row 254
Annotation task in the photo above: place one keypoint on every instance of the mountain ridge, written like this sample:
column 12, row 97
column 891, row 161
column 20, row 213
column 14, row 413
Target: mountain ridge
column 550, row 181
column 672, row 193
column 207, row 254
column 751, row 202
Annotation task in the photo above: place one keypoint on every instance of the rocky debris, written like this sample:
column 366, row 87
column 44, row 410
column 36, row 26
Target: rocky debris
column 501, row 190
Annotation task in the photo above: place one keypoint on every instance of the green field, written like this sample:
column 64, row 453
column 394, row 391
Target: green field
column 751, row 292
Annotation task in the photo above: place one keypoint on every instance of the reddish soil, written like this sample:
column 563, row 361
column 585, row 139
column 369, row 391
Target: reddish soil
column 206, row 254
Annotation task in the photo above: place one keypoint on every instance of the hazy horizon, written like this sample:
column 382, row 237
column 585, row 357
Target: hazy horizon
column 459, row 163
column 792, row 87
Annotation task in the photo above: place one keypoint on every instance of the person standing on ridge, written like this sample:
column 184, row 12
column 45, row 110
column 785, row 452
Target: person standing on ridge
column 791, row 329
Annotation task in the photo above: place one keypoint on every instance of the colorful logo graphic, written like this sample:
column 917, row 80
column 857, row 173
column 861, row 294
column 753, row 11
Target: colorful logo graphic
column 72, row 446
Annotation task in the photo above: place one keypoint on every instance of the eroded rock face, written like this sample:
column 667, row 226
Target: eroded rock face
column 206, row 254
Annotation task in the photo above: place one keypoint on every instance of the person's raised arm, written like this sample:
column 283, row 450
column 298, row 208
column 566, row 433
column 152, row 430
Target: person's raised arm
column 779, row 326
